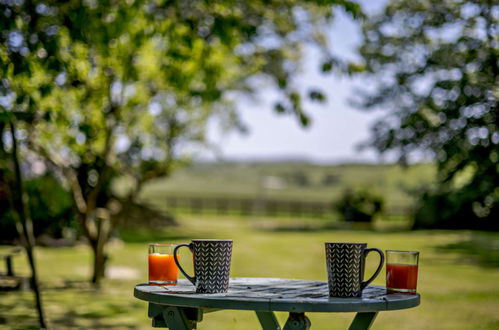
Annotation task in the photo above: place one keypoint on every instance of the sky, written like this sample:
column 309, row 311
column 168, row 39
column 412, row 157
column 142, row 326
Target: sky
column 336, row 129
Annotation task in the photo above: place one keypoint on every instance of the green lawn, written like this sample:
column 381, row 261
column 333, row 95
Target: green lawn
column 459, row 274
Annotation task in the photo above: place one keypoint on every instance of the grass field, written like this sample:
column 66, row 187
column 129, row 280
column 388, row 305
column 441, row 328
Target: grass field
column 459, row 274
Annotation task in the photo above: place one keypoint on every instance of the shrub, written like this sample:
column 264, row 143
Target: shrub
column 359, row 206
column 330, row 179
column 50, row 206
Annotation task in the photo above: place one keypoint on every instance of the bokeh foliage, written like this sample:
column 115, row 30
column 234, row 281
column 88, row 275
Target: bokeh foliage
column 125, row 87
column 436, row 71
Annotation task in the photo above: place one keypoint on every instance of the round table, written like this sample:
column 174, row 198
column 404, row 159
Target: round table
column 180, row 307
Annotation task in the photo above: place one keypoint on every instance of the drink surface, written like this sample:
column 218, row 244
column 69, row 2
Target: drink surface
column 162, row 268
column 401, row 278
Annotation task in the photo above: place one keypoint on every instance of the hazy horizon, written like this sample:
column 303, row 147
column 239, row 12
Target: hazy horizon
column 300, row 159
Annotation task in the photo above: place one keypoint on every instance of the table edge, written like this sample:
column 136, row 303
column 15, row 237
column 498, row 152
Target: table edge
column 279, row 305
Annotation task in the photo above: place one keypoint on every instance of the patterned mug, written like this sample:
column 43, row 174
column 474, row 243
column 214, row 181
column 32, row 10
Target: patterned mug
column 345, row 268
column 211, row 264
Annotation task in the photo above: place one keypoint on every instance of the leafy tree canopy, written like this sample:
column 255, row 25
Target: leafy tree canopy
column 141, row 77
column 122, row 87
column 436, row 80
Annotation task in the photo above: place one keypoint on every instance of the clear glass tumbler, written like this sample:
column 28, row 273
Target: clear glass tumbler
column 162, row 267
column 401, row 271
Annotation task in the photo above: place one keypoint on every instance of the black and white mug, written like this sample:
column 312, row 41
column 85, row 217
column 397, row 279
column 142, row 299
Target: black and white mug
column 211, row 259
column 345, row 268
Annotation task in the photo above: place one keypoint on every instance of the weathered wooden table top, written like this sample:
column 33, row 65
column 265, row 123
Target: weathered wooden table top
column 274, row 294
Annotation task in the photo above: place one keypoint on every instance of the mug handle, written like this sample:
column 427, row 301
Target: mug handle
column 376, row 273
column 175, row 258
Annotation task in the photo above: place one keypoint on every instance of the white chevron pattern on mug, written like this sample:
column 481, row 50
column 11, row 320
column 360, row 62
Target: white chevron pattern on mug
column 344, row 269
column 212, row 265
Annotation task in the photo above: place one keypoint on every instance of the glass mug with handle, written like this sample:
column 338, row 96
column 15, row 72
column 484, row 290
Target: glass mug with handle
column 212, row 258
column 345, row 267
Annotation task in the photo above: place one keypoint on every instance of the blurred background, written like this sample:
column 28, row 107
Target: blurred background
column 280, row 125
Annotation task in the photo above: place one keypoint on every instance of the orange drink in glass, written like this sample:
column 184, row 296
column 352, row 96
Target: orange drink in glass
column 162, row 267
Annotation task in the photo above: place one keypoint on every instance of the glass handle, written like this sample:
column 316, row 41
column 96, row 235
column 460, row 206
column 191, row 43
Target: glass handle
column 175, row 258
column 376, row 273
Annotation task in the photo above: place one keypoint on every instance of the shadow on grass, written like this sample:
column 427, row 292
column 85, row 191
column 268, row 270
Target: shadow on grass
column 16, row 320
column 71, row 318
column 68, row 304
column 480, row 248
column 93, row 311
column 81, row 285
column 95, row 318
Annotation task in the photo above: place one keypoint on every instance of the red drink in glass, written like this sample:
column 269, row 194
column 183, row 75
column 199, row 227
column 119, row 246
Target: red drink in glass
column 401, row 278
column 402, row 271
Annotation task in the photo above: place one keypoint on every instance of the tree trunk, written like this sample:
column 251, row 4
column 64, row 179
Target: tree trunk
column 98, row 245
column 19, row 203
column 99, row 263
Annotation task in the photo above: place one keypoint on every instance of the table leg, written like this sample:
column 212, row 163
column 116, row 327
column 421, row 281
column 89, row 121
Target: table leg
column 297, row 321
column 363, row 321
column 176, row 319
column 268, row 320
